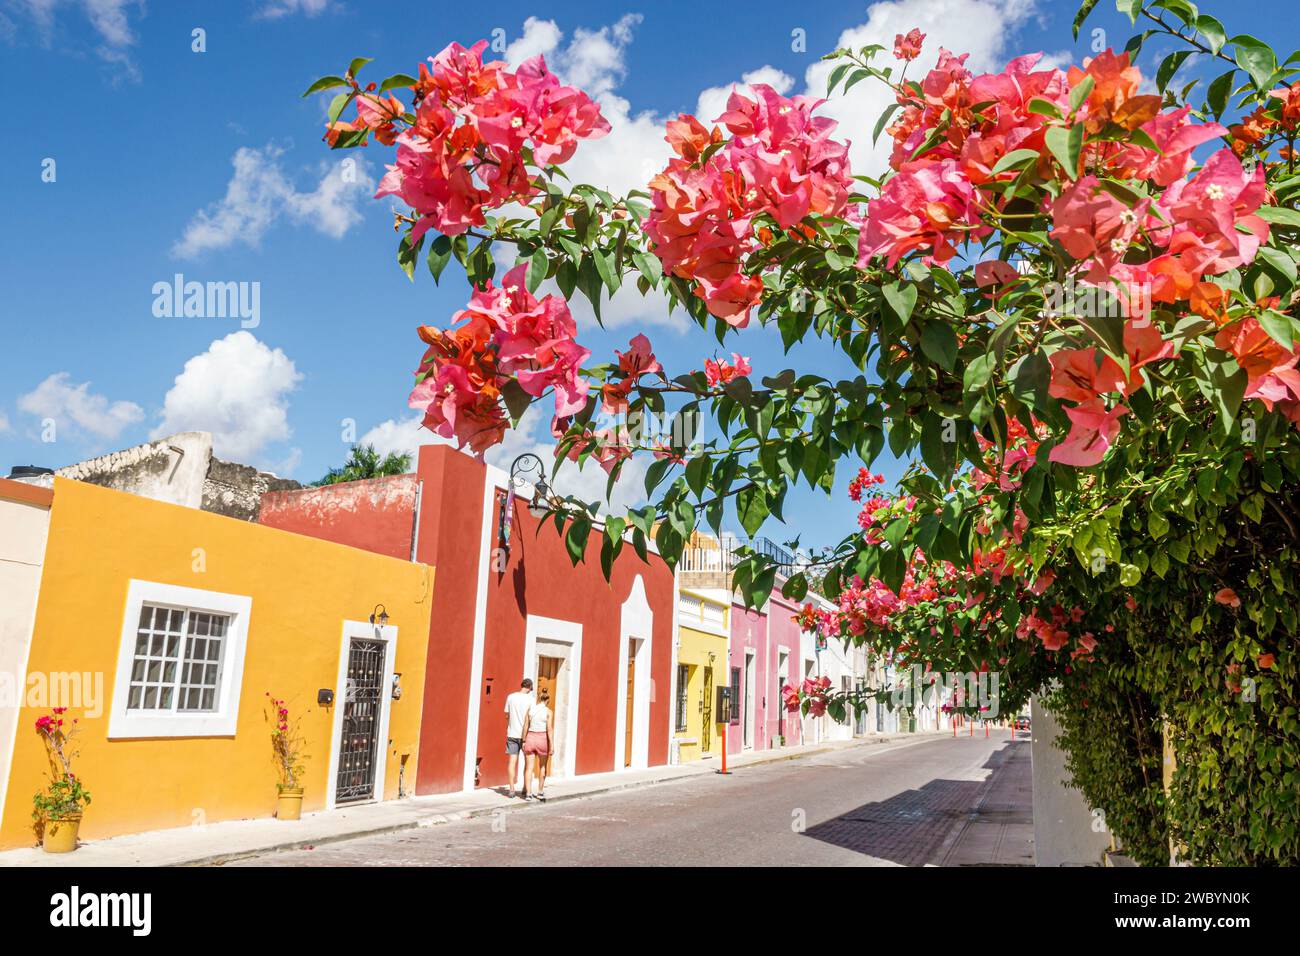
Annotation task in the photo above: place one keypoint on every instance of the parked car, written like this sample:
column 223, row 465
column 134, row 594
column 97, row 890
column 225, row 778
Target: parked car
column 1021, row 723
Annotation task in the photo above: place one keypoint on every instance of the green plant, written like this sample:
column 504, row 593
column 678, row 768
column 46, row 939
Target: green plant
column 64, row 796
column 287, row 744
column 364, row 462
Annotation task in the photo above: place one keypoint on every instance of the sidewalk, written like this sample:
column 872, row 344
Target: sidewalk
column 220, row 842
column 999, row 831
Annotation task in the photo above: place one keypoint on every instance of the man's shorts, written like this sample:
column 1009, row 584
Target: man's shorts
column 514, row 745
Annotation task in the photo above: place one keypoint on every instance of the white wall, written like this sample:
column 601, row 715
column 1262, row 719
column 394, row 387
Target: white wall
column 1063, row 822
column 24, row 528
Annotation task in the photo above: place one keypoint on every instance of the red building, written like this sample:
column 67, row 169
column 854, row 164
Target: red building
column 501, row 613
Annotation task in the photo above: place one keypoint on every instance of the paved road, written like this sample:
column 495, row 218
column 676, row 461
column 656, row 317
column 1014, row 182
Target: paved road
column 900, row 804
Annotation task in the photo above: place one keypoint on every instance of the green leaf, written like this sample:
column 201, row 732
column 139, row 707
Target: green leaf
column 901, row 300
column 537, row 268
column 1256, row 58
column 439, row 256
column 406, row 254
column 1210, row 28
column 939, row 343
column 1216, row 97
column 1278, row 215
column 1085, row 9
column 751, row 508
column 355, row 66
column 325, row 83
column 1065, row 145
column 395, row 81
column 575, row 539
column 1016, row 157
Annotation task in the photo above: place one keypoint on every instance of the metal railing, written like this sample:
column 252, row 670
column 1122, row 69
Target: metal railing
column 718, row 555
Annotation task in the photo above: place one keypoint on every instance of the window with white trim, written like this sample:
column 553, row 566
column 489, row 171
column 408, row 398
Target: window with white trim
column 180, row 663
column 177, row 660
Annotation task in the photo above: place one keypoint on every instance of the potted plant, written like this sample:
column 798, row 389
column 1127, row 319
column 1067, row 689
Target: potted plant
column 57, row 809
column 287, row 745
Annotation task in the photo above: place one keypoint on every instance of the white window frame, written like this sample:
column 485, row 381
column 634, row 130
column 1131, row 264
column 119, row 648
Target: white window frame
column 221, row 721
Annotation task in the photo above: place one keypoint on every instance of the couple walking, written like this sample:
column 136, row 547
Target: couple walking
column 530, row 727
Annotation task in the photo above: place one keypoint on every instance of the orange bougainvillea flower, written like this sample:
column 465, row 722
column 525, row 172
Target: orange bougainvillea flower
column 1114, row 97
column 1265, row 661
column 1210, row 301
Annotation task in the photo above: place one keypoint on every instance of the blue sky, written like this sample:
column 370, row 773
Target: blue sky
column 209, row 164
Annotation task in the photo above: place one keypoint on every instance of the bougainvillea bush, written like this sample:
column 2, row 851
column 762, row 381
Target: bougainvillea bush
column 1071, row 301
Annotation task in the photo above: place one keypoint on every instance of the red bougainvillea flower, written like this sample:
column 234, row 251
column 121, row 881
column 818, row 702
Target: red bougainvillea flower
column 908, row 46
column 1227, row 597
column 1265, row 661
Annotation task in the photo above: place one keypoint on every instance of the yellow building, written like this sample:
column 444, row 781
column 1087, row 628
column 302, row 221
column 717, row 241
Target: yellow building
column 164, row 628
column 701, row 668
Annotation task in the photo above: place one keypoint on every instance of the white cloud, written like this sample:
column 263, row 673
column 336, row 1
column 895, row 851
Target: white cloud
column 76, row 409
column 4, row 424
column 260, row 193
column 982, row 28
column 402, row 437
column 110, row 20
column 405, row 436
column 239, row 391
column 275, row 9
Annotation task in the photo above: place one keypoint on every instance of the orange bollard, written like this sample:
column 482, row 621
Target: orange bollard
column 986, row 728
column 724, row 748
column 972, row 728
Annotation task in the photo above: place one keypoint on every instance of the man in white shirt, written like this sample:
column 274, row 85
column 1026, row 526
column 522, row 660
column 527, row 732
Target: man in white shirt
column 517, row 706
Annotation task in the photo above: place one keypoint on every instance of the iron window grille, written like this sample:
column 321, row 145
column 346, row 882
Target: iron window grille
column 178, row 658
column 683, row 680
column 734, row 716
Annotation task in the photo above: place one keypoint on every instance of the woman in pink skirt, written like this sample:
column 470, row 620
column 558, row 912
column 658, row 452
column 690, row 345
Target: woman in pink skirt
column 537, row 744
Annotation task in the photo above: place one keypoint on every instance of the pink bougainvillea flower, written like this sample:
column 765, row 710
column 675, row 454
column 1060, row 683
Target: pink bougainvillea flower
column 930, row 207
column 780, row 161
column 720, row 372
column 1093, row 428
column 1094, row 226
column 908, row 46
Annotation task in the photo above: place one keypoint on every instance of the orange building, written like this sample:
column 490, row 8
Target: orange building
column 163, row 628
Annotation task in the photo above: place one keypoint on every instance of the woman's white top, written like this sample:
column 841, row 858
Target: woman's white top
column 538, row 715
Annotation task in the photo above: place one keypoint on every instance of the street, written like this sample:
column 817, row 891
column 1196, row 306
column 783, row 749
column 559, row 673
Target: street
column 940, row 801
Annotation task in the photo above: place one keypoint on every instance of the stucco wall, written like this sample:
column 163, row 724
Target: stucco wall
column 24, row 525
column 301, row 589
column 1063, row 822
column 377, row 514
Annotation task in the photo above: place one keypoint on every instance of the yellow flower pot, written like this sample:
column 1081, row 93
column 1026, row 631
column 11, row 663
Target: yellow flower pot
column 60, row 836
column 289, row 806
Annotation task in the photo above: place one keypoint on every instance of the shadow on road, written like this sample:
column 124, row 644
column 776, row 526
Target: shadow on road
column 912, row 827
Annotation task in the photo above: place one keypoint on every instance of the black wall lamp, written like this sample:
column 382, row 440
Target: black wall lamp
column 379, row 615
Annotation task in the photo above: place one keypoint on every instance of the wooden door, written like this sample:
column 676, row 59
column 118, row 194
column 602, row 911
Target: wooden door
column 548, row 676
column 631, row 697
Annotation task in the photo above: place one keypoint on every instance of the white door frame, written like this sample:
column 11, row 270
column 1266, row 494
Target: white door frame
column 366, row 631
column 554, row 630
column 636, row 623
column 751, row 698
